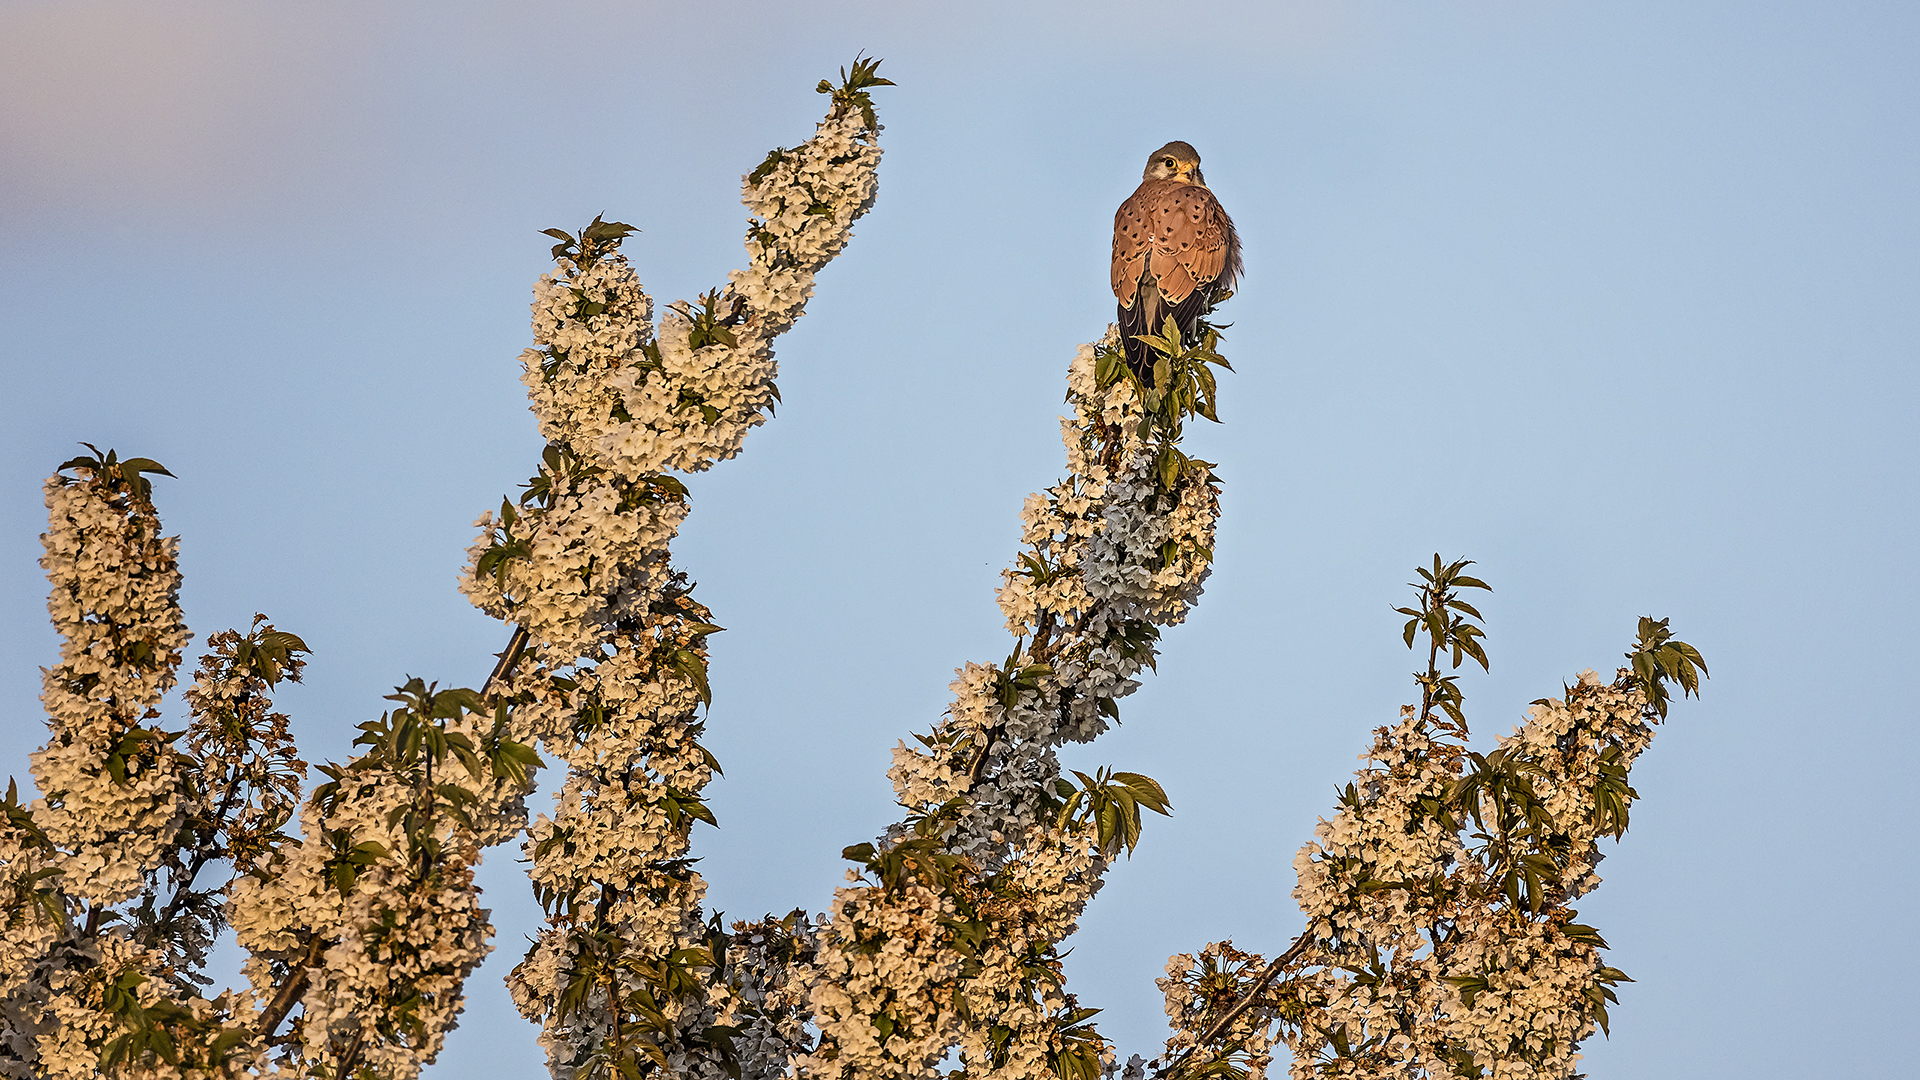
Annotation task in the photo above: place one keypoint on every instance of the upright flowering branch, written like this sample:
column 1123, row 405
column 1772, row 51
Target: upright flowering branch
column 112, row 786
column 1440, row 937
column 111, row 781
column 950, row 941
column 608, row 665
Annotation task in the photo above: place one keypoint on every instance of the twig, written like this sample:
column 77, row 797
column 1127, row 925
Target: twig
column 1246, row 1000
column 509, row 656
column 348, row 1060
column 200, row 859
column 980, row 760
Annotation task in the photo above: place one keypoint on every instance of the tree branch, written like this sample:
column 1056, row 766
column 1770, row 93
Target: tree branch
column 290, row 991
column 201, row 857
column 1037, row 654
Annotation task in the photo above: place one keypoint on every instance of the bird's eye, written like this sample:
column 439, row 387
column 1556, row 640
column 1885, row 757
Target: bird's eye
column 1168, row 162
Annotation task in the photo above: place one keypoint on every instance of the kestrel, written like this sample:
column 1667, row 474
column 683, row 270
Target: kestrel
column 1174, row 252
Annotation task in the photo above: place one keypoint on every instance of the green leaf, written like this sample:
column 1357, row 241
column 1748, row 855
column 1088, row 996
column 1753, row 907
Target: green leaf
column 108, row 469
column 1658, row 658
column 766, row 167
column 597, row 240
column 694, row 667
column 852, row 95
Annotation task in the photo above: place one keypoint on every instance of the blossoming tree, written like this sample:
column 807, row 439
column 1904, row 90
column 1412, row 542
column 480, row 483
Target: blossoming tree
column 1439, row 942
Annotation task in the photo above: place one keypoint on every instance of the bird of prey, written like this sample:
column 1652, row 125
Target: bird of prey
column 1174, row 252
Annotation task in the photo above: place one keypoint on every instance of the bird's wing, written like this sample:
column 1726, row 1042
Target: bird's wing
column 1133, row 231
column 1192, row 240
column 1217, row 251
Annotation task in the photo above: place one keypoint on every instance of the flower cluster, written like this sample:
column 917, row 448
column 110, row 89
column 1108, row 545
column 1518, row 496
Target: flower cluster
column 105, row 931
column 621, row 405
column 769, row 1004
column 33, row 919
column 883, row 985
column 1373, row 886
column 1203, row 988
column 111, row 787
column 1523, row 992
column 243, row 789
column 371, row 923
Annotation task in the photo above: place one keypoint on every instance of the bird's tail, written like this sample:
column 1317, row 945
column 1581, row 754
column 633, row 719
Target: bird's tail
column 1134, row 324
column 1148, row 317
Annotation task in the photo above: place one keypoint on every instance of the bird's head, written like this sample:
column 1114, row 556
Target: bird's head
column 1176, row 161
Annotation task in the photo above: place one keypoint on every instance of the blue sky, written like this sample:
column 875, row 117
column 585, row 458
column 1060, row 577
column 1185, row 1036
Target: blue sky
column 1619, row 300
